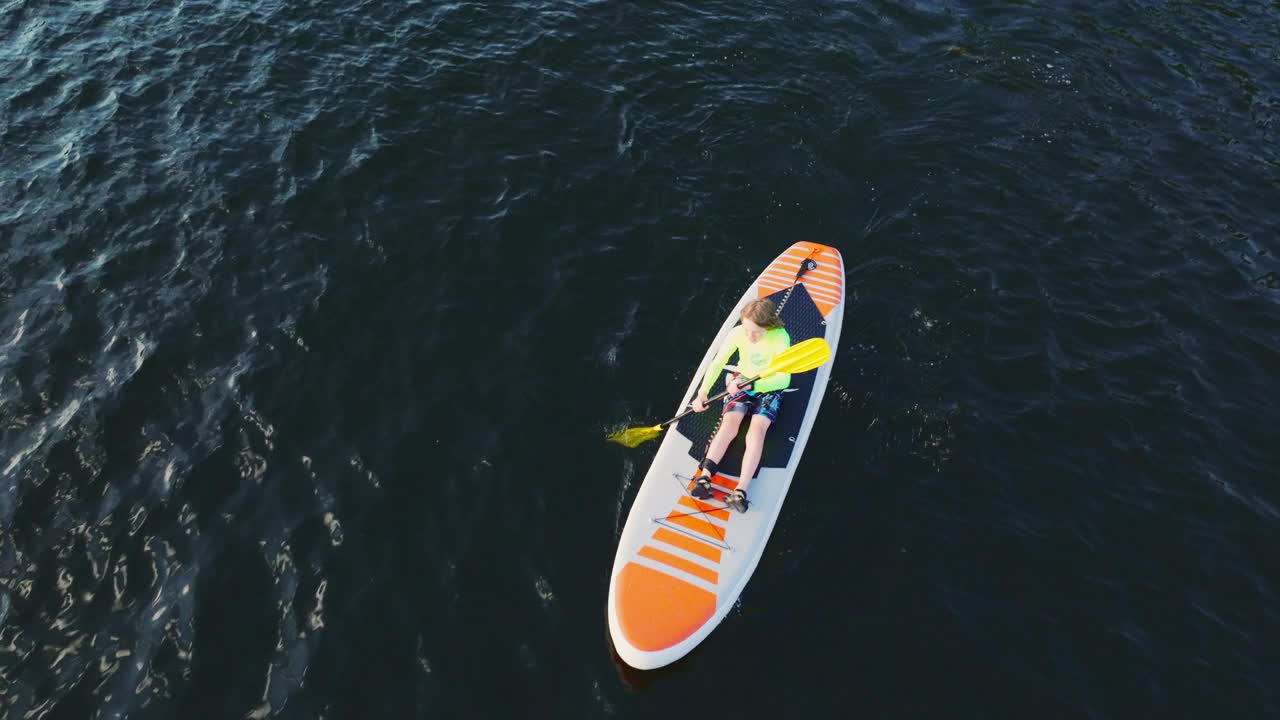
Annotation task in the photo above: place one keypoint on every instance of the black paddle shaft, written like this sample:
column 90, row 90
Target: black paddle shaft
column 749, row 382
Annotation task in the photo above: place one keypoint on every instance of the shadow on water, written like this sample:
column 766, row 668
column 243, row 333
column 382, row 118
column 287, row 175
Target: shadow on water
column 637, row 680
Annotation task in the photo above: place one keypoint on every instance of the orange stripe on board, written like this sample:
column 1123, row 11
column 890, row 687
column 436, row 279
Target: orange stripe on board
column 826, row 263
column 679, row 563
column 821, row 258
column 819, row 296
column 771, row 288
column 809, row 277
column 790, row 278
column 693, row 523
column 684, row 542
column 835, row 281
column 711, row 510
column 796, row 255
column 801, row 254
column 718, row 479
column 724, row 482
column 776, row 277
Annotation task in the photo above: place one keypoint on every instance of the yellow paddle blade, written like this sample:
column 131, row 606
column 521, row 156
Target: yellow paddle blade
column 631, row 437
column 801, row 357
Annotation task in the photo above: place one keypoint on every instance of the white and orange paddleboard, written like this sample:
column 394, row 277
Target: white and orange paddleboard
column 682, row 563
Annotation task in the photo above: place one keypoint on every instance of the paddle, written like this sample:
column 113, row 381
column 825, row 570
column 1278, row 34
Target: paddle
column 798, row 358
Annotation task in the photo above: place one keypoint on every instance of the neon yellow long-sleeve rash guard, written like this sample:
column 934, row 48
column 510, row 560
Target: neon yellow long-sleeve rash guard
column 752, row 358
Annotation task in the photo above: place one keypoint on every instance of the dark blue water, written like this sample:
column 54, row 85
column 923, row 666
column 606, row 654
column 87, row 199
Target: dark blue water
column 313, row 317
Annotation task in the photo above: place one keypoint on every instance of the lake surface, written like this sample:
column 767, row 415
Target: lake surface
column 314, row 316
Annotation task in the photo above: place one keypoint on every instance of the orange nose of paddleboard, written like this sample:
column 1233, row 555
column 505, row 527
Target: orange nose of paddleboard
column 656, row 611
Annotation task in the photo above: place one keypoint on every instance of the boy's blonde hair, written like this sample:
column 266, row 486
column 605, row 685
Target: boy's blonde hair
column 763, row 313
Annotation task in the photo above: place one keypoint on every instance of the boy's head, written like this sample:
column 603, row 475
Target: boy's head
column 760, row 316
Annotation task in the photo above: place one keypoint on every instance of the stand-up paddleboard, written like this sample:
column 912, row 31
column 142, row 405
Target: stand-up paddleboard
column 682, row 563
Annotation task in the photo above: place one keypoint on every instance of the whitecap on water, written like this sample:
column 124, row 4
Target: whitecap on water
column 21, row 329
column 543, row 588
column 335, row 529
